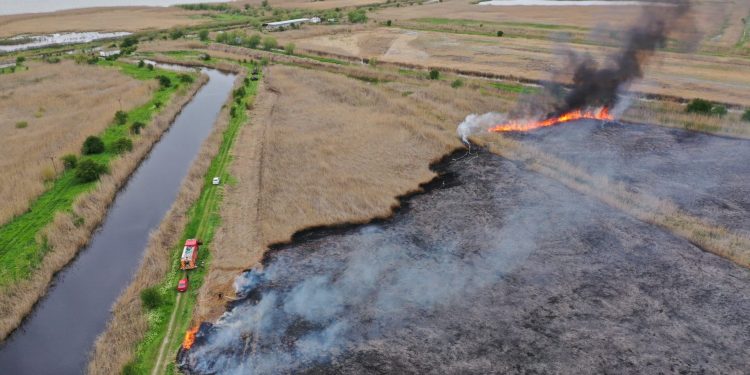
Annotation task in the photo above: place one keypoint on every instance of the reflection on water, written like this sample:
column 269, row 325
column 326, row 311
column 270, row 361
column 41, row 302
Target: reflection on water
column 40, row 6
column 37, row 41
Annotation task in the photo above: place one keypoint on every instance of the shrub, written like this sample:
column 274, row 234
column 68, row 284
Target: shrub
column 150, row 66
column 151, row 298
column 746, row 115
column 698, row 105
column 187, row 78
column 457, row 83
column 264, row 61
column 135, row 128
column 122, row 145
column 239, row 93
column 205, row 57
column 92, row 145
column 164, row 81
column 89, row 170
column 203, row 35
column 269, row 43
column 253, row 41
column 130, row 369
column 500, row 33
column 129, row 41
column 141, row 63
column 289, row 48
column 388, row 23
column 176, row 34
column 719, row 110
column 357, row 16
column 22, row 125
column 70, row 161
column 434, row 74
column 20, row 60
column 121, row 117
column 221, row 37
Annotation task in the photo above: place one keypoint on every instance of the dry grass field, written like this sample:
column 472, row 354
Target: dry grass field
column 356, row 164
column 97, row 19
column 724, row 79
column 46, row 112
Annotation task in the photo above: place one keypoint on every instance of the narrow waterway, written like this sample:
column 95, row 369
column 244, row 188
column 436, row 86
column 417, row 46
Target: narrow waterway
column 57, row 337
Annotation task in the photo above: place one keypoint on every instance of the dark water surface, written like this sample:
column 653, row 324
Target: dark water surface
column 57, row 336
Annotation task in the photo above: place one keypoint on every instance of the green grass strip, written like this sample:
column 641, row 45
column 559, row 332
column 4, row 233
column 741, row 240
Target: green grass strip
column 22, row 247
column 203, row 219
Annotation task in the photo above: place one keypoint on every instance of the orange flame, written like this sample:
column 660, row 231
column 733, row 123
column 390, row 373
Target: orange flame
column 190, row 337
column 522, row 126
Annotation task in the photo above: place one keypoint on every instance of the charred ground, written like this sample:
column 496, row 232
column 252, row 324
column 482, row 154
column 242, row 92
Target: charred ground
column 502, row 271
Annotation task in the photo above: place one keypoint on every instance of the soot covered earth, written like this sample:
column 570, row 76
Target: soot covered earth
column 494, row 269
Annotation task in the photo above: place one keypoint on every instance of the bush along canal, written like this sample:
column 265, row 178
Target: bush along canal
column 57, row 336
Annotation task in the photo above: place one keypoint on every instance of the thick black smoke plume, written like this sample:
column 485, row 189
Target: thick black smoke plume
column 595, row 86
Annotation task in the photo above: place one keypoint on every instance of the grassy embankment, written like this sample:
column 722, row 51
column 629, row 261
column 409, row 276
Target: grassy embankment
column 23, row 245
column 203, row 218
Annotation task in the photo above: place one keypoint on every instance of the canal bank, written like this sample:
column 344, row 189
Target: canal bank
column 65, row 323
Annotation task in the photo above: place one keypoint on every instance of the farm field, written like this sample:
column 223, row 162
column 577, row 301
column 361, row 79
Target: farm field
column 46, row 112
column 97, row 19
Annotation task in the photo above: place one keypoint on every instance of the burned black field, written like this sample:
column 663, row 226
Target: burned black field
column 496, row 269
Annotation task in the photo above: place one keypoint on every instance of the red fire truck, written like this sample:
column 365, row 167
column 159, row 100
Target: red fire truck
column 190, row 254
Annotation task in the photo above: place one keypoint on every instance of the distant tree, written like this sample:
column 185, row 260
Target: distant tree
column 92, row 145
column 70, row 161
column 176, row 34
column 205, row 57
column 122, row 145
column 129, row 41
column 121, row 117
column 388, row 23
column 264, row 3
column 135, row 128
column 150, row 66
column 20, row 60
column 187, row 78
column 141, row 63
column 164, row 81
column 457, row 83
column 203, row 35
column 746, row 115
column 289, row 48
column 269, row 43
column 698, row 105
column 719, row 110
column 500, row 33
column 357, row 16
column 434, row 74
column 221, row 37
column 253, row 41
column 89, row 170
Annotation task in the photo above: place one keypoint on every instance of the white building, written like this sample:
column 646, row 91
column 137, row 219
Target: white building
column 106, row 54
column 284, row 24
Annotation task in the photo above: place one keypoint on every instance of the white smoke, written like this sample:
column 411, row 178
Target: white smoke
column 474, row 123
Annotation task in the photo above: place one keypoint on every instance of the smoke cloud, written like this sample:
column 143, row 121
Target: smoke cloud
column 312, row 303
column 599, row 86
